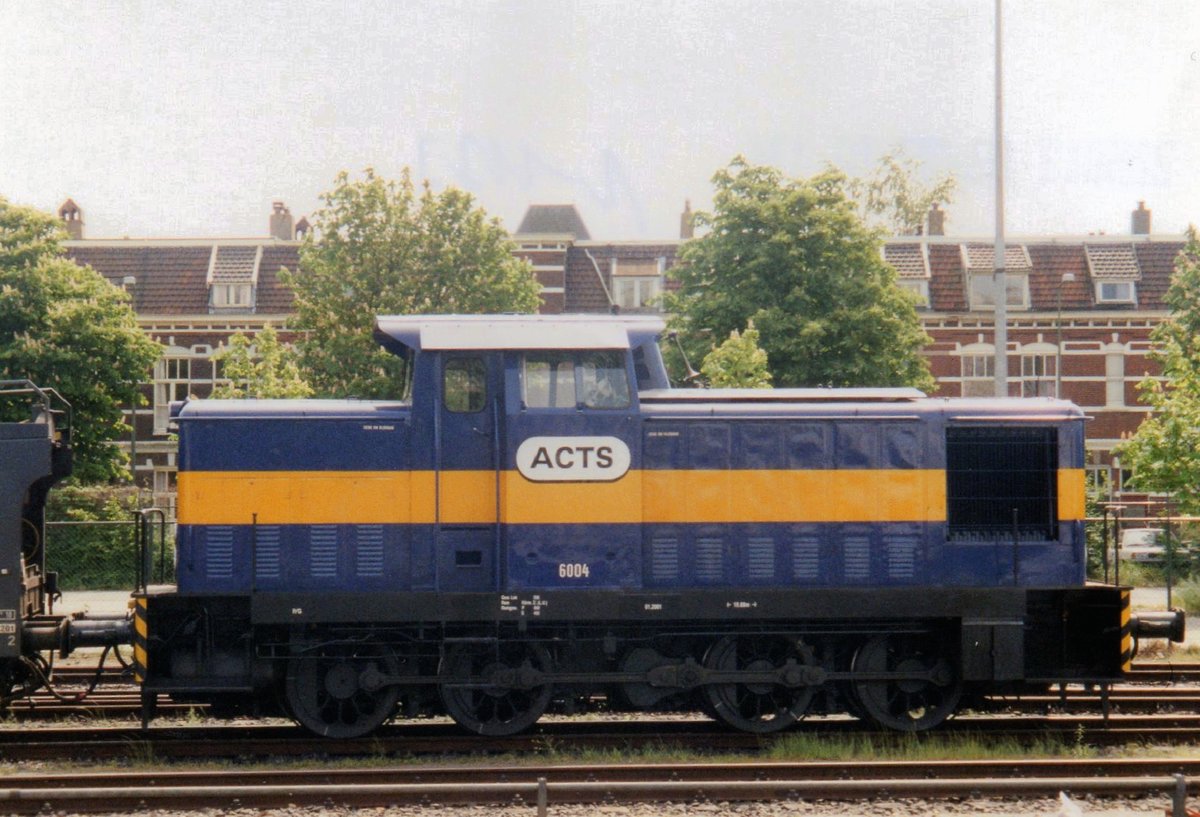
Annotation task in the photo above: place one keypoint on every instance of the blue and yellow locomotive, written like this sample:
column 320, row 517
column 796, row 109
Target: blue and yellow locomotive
column 542, row 520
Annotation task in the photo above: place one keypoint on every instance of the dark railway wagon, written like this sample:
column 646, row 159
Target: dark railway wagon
column 541, row 522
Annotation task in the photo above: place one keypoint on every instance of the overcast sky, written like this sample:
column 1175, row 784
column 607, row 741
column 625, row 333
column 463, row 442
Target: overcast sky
column 173, row 119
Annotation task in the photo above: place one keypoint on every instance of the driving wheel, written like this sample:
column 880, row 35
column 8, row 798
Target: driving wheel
column 330, row 691
column 489, row 690
column 760, row 706
column 920, row 701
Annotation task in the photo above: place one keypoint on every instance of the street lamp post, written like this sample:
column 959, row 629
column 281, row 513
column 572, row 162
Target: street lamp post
column 1067, row 277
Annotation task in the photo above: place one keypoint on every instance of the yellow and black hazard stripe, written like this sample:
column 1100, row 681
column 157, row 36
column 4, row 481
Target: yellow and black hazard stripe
column 140, row 629
column 1126, row 632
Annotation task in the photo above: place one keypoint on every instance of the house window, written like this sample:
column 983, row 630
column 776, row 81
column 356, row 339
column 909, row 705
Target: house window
column 983, row 287
column 172, row 382
column 231, row 295
column 978, row 375
column 1114, row 378
column 1038, row 374
column 921, row 288
column 1115, row 292
column 636, row 292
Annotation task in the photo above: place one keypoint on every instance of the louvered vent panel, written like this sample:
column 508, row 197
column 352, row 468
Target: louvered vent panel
column 760, row 554
column 857, row 557
column 369, row 550
column 218, row 552
column 323, row 551
column 902, row 556
column 664, row 558
column 267, row 556
column 806, row 557
column 709, row 563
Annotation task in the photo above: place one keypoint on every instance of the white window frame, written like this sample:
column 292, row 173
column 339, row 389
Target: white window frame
column 1129, row 298
column 978, row 368
column 980, row 290
column 919, row 286
column 231, row 295
column 1039, row 370
column 637, row 291
column 172, row 382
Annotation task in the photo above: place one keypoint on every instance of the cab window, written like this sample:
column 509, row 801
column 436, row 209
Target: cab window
column 464, row 385
column 596, row 380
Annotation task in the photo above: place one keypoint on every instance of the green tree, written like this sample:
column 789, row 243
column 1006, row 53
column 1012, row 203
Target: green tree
column 894, row 196
column 793, row 256
column 260, row 367
column 738, row 363
column 1164, row 454
column 64, row 326
column 380, row 247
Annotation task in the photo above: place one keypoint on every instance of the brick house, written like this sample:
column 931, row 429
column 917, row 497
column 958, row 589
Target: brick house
column 1080, row 307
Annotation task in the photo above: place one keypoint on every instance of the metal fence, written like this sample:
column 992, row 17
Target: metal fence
column 105, row 555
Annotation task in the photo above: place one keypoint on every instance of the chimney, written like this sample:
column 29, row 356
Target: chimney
column 302, row 227
column 937, row 220
column 281, row 222
column 72, row 218
column 687, row 222
column 1141, row 220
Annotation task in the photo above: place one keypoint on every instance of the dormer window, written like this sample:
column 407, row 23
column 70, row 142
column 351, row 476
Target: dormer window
column 231, row 295
column 1115, row 272
column 1116, row 292
column 637, row 283
column 233, row 277
column 979, row 264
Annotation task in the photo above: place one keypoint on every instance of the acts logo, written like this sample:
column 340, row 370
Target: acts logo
column 573, row 459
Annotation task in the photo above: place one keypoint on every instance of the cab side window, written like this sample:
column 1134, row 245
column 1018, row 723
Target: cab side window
column 596, row 380
column 464, row 385
column 603, row 381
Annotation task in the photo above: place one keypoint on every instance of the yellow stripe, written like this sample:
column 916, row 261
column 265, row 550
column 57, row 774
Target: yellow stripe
column 139, row 626
column 1071, row 494
column 468, row 497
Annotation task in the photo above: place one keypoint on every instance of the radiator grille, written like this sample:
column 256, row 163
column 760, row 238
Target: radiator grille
column 760, row 555
column 709, row 558
column 664, row 558
column 857, row 557
column 369, row 550
column 267, row 557
column 218, row 552
column 806, row 557
column 323, row 551
column 902, row 556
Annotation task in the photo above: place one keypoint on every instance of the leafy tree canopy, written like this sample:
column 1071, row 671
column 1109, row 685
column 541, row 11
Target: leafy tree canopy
column 738, row 363
column 261, row 367
column 893, row 195
column 793, row 256
column 1164, row 454
column 382, row 247
column 64, row 326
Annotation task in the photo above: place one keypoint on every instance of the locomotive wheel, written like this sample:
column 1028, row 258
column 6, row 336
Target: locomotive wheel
column 326, row 693
column 911, row 705
column 483, row 690
column 758, row 707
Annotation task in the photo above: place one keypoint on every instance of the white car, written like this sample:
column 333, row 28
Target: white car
column 1145, row 545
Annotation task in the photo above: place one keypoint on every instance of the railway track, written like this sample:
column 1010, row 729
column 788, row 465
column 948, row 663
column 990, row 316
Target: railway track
column 559, row 784
column 241, row 740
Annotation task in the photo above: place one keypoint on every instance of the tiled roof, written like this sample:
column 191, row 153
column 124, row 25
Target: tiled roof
column 1113, row 262
column 1047, row 262
column 982, row 257
column 172, row 276
column 234, row 264
column 553, row 219
column 911, row 261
